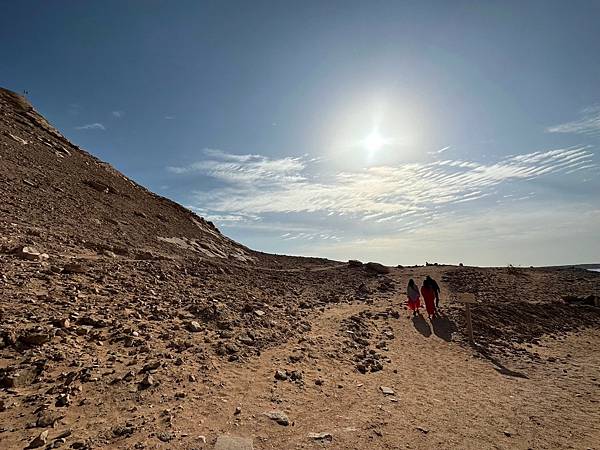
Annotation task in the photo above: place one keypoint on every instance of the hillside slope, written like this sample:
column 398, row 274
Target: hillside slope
column 72, row 200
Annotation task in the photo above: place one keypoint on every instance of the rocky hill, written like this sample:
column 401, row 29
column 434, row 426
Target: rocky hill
column 70, row 200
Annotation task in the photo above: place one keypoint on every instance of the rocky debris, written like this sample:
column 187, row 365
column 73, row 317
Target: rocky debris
column 278, row 416
column 377, row 268
column 226, row 442
column 590, row 300
column 289, row 375
column 100, row 187
column 502, row 322
column 355, row 263
column 324, row 437
column 369, row 361
column 40, row 440
column 74, row 268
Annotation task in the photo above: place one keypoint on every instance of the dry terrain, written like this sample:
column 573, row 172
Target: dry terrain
column 126, row 321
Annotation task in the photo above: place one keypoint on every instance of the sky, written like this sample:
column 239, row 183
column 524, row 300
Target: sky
column 393, row 131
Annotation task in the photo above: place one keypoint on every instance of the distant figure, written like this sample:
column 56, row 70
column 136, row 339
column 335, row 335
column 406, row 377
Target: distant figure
column 429, row 296
column 414, row 300
column 436, row 289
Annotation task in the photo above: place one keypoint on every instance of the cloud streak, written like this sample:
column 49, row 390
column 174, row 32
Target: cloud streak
column 587, row 124
column 401, row 197
column 91, row 126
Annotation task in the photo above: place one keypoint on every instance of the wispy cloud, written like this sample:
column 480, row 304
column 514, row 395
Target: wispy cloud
column 91, row 126
column 404, row 196
column 441, row 150
column 246, row 169
column 169, row 117
column 118, row 114
column 588, row 123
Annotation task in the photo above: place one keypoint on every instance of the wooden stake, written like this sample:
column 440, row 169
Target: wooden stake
column 469, row 323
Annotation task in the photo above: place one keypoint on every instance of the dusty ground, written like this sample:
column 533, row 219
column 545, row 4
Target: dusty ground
column 446, row 394
column 130, row 322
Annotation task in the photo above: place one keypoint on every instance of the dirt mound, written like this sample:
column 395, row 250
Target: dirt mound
column 517, row 306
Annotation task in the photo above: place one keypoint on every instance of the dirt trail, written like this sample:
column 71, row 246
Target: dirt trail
column 445, row 397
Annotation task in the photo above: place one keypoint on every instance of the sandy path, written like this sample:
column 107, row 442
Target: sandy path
column 444, row 396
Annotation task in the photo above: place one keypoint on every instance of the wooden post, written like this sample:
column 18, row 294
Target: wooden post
column 469, row 323
column 468, row 298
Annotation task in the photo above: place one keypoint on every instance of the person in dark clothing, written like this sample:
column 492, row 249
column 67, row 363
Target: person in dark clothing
column 436, row 289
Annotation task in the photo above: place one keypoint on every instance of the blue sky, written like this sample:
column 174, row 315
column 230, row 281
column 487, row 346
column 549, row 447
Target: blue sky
column 395, row 131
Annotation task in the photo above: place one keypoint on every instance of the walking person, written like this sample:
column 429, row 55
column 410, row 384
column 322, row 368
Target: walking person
column 429, row 296
column 414, row 298
column 436, row 289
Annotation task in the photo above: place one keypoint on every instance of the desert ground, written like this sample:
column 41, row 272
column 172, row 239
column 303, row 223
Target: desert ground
column 129, row 322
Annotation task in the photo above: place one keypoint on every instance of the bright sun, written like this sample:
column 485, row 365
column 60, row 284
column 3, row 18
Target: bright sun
column 374, row 141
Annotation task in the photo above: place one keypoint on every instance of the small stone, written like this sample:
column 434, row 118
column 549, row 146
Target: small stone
column 122, row 430
column 238, row 410
column 30, row 254
column 59, row 442
column 35, row 338
column 74, row 268
column 40, row 440
column 192, row 378
column 507, row 433
column 164, row 436
column 225, row 442
column 47, row 419
column 63, row 323
column 386, row 390
column 278, row 416
column 151, row 366
column 63, row 400
column 147, row 381
column 194, row 326
column 129, row 376
column 259, row 312
column 323, row 437
column 423, row 430
column 280, row 375
column 20, row 377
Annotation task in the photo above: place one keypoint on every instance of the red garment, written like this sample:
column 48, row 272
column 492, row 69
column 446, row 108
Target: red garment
column 429, row 296
column 414, row 305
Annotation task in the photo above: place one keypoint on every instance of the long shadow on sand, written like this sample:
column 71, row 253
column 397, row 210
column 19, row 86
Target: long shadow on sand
column 421, row 325
column 498, row 366
column 443, row 327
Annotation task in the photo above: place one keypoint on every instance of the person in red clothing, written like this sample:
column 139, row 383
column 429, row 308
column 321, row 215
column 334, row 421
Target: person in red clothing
column 428, row 294
column 412, row 292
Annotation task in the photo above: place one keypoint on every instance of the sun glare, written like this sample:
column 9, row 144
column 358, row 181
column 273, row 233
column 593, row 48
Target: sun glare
column 374, row 141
